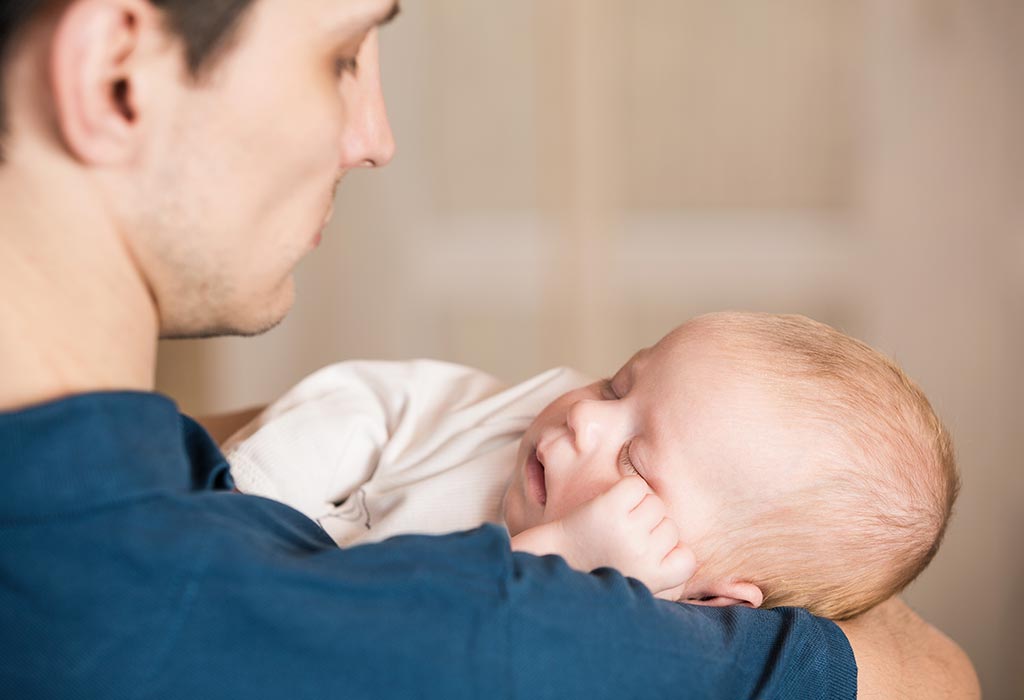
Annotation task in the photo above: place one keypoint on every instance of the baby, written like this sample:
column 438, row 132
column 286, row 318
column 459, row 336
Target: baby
column 749, row 459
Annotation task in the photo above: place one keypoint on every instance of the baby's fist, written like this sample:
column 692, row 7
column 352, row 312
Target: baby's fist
column 628, row 528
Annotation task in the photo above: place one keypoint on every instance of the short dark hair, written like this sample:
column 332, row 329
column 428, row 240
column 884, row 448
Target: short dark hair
column 205, row 26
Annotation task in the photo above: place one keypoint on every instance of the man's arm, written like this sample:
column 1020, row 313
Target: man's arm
column 900, row 656
column 223, row 426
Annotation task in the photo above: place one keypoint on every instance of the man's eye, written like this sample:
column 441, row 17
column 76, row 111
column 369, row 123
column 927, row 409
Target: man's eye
column 346, row 64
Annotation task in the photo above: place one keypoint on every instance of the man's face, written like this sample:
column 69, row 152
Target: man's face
column 238, row 180
column 704, row 436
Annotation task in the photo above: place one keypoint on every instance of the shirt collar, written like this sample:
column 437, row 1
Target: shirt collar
column 95, row 449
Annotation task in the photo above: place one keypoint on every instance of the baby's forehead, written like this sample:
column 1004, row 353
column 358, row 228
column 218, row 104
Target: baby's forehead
column 679, row 341
column 636, row 361
column 716, row 403
column 694, row 349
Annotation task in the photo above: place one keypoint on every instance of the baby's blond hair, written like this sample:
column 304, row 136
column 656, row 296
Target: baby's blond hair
column 885, row 476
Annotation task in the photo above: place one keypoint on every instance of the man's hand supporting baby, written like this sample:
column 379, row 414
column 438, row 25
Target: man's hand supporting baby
column 625, row 528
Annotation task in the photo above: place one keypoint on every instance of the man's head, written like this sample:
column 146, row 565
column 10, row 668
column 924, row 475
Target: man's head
column 208, row 138
column 802, row 466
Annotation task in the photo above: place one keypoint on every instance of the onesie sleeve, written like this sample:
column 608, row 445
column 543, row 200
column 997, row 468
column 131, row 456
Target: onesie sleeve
column 332, row 432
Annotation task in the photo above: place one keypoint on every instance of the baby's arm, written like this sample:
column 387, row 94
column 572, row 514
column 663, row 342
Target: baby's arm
column 348, row 426
column 625, row 528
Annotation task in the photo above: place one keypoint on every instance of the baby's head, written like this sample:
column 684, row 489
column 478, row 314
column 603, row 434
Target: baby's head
column 803, row 467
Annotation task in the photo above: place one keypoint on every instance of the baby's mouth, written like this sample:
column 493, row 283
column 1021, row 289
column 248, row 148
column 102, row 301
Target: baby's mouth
column 535, row 478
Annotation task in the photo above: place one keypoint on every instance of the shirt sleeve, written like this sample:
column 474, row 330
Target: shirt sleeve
column 128, row 570
column 610, row 635
column 461, row 616
column 270, row 607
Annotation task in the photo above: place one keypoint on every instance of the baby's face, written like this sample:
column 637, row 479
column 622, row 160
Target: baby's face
column 684, row 416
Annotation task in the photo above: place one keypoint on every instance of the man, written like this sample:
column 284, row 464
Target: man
column 166, row 164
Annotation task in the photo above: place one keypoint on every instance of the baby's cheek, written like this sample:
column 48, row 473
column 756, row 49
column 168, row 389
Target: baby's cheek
column 565, row 497
column 512, row 512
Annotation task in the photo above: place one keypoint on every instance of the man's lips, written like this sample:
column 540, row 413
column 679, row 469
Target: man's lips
column 535, row 482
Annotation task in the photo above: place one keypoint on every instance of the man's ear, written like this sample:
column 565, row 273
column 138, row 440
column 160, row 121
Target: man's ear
column 732, row 593
column 93, row 72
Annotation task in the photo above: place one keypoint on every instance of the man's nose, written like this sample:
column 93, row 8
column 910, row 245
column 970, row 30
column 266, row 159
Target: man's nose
column 367, row 139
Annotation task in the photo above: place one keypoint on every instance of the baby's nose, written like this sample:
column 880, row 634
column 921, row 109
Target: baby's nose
column 555, row 450
column 584, row 421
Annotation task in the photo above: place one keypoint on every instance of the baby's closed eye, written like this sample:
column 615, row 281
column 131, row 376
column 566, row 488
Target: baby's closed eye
column 626, row 463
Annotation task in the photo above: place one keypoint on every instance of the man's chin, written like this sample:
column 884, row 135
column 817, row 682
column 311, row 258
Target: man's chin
column 250, row 321
column 222, row 331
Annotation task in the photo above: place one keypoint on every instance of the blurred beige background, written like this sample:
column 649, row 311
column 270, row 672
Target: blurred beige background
column 575, row 177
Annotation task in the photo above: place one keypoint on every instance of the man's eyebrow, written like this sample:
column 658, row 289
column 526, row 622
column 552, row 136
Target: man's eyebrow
column 392, row 13
column 361, row 25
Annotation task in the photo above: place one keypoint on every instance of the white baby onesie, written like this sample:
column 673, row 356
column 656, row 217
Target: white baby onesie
column 375, row 449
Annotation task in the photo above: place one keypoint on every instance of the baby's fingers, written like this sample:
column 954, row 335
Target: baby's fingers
column 626, row 494
column 665, row 536
column 679, row 564
column 649, row 513
column 676, row 569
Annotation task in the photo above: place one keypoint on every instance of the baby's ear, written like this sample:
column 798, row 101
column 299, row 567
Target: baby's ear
column 731, row 593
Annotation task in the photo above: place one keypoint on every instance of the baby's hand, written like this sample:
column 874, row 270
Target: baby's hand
column 625, row 528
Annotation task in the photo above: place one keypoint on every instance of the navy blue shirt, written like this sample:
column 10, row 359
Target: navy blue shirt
column 129, row 569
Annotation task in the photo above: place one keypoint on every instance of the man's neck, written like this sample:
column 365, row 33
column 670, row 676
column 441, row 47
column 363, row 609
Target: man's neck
column 75, row 314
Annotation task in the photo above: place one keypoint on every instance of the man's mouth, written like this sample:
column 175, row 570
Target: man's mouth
column 535, row 481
